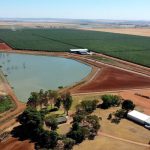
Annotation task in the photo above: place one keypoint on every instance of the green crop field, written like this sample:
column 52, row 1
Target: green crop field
column 128, row 47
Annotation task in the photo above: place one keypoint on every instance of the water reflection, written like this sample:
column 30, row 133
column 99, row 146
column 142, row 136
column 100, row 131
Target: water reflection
column 6, row 62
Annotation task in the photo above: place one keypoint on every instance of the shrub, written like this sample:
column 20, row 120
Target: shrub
column 77, row 135
column 58, row 102
column 115, row 120
column 121, row 113
column 128, row 105
column 78, row 117
column 110, row 100
column 68, row 143
column 109, row 117
column 88, row 106
column 51, row 122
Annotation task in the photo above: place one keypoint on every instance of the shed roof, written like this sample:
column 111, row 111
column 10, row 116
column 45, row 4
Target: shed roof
column 139, row 115
column 148, row 121
column 79, row 50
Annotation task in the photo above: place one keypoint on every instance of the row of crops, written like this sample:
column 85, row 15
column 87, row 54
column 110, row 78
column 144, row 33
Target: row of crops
column 128, row 47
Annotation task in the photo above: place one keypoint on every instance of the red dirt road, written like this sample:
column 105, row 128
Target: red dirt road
column 4, row 46
column 109, row 79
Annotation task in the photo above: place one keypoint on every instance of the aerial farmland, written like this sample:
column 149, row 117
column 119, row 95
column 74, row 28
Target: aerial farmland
column 72, row 81
column 127, row 47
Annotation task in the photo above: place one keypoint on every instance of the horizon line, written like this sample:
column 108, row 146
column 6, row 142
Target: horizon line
column 73, row 19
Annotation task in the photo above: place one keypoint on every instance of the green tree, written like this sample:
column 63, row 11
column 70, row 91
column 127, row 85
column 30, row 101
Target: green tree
column 67, row 102
column 45, row 100
column 94, row 121
column 110, row 100
column 58, row 102
column 88, row 105
column 68, row 143
column 48, row 139
column 52, row 95
column 51, row 122
column 33, row 100
column 53, row 138
column 77, row 135
column 78, row 117
column 121, row 113
column 128, row 105
column 41, row 98
column 31, row 119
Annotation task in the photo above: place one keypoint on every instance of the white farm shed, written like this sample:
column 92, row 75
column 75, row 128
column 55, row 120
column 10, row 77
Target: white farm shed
column 80, row 51
column 139, row 117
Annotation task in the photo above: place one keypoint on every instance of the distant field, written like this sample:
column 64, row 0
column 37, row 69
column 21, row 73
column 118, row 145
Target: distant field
column 128, row 47
column 130, row 31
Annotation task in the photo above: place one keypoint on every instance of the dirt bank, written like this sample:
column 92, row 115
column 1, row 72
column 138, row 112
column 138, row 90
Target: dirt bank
column 4, row 46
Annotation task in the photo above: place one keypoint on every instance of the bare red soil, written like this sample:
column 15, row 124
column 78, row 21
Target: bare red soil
column 15, row 144
column 4, row 46
column 142, row 103
column 109, row 79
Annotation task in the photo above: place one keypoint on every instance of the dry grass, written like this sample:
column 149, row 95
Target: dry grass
column 131, row 31
column 105, row 143
column 125, row 129
column 64, row 128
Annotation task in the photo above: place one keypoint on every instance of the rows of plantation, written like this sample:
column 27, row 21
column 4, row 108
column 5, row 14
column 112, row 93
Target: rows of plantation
column 128, row 47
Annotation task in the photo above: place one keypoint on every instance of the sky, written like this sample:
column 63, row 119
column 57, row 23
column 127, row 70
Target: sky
column 76, row 9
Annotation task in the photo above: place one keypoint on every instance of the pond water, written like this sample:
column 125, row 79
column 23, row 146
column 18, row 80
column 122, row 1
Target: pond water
column 28, row 73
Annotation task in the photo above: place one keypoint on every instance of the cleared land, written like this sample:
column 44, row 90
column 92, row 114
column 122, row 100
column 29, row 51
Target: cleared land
column 109, row 79
column 131, row 31
column 128, row 47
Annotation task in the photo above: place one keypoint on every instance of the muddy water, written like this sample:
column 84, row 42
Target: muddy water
column 28, row 73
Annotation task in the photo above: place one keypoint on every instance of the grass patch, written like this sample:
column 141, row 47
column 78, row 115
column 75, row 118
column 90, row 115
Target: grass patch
column 5, row 103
